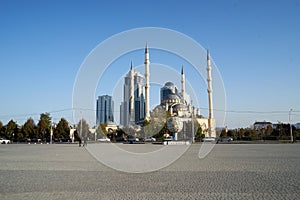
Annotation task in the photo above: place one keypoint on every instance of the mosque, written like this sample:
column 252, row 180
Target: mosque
column 135, row 106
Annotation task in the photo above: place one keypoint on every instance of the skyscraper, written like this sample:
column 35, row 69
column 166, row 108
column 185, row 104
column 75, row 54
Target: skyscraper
column 132, row 109
column 104, row 109
column 135, row 107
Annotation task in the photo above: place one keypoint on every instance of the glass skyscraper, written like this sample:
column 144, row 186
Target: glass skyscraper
column 104, row 110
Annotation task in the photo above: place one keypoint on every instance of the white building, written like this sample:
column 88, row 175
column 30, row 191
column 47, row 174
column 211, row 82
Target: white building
column 179, row 103
column 133, row 112
column 135, row 105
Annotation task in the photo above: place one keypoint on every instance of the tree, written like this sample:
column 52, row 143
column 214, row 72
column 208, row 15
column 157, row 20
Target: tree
column 223, row 133
column 269, row 130
column 156, row 123
column 296, row 133
column 102, row 129
column 28, row 129
column 199, row 133
column 11, row 129
column 1, row 130
column 83, row 129
column 250, row 134
column 43, row 127
column 231, row 133
column 118, row 133
column 62, row 129
column 162, row 132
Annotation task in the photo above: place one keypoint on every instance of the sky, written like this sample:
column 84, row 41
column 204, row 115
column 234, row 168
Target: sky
column 254, row 44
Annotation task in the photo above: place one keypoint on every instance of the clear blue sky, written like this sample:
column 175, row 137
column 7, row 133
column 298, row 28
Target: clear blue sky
column 255, row 45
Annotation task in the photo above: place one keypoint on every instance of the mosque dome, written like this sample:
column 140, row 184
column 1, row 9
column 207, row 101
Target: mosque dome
column 169, row 84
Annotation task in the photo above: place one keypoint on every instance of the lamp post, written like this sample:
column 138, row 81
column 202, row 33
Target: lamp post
column 291, row 130
column 95, row 132
column 51, row 134
column 193, row 126
column 73, row 136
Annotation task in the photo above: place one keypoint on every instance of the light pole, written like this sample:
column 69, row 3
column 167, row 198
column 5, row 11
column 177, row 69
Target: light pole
column 291, row 130
column 51, row 134
column 193, row 131
column 73, row 136
column 81, row 128
column 95, row 132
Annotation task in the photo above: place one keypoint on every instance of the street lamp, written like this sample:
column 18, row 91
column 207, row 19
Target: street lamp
column 51, row 134
column 193, row 131
column 291, row 130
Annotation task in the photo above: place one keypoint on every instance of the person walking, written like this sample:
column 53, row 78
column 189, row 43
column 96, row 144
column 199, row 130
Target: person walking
column 79, row 141
column 85, row 142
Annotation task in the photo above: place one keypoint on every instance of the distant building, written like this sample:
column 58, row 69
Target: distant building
column 104, row 109
column 260, row 125
column 297, row 126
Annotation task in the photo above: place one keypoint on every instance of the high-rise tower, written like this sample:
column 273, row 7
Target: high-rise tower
column 104, row 109
column 147, row 86
column 132, row 108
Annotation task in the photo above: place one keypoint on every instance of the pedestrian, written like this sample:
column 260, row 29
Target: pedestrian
column 85, row 142
column 79, row 140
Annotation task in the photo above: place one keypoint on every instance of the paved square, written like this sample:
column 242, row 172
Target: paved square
column 230, row 171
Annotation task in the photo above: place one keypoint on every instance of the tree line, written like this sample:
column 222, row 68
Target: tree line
column 30, row 129
column 279, row 132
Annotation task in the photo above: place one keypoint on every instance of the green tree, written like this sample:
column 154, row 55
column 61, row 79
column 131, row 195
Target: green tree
column 199, row 133
column 43, row 127
column 296, row 133
column 62, row 129
column 1, row 129
column 223, row 133
column 250, row 134
column 11, row 129
column 230, row 133
column 28, row 129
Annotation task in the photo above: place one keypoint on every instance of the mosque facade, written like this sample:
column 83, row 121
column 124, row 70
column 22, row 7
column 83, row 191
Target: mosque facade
column 136, row 98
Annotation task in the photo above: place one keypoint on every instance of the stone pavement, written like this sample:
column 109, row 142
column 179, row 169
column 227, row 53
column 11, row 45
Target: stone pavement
column 230, row 171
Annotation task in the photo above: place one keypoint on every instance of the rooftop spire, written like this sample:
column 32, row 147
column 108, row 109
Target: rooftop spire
column 131, row 66
column 147, row 86
column 146, row 48
column 208, row 54
column 182, row 86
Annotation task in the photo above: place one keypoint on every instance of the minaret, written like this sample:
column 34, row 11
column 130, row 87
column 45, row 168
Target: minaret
column 211, row 124
column 131, row 113
column 182, row 85
column 147, row 86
